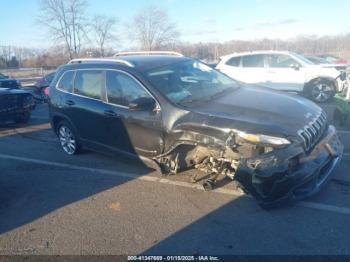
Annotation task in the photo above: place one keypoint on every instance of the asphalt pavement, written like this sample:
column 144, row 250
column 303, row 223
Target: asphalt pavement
column 95, row 204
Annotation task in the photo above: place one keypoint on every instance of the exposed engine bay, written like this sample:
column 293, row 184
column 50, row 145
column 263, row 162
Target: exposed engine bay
column 212, row 160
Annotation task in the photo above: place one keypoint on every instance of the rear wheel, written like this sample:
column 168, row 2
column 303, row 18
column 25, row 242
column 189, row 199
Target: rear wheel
column 321, row 91
column 68, row 139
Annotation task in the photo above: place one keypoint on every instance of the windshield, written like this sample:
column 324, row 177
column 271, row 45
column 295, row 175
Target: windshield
column 190, row 81
column 317, row 60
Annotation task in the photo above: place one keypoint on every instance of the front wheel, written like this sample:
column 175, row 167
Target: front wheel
column 68, row 139
column 321, row 91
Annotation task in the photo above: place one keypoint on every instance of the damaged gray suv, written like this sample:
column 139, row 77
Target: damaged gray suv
column 175, row 113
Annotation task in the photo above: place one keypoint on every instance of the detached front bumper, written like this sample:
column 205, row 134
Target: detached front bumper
column 290, row 174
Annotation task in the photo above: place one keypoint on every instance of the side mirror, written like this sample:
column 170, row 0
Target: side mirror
column 142, row 104
column 295, row 66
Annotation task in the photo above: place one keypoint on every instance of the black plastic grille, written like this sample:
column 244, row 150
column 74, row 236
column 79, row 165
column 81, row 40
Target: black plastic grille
column 312, row 132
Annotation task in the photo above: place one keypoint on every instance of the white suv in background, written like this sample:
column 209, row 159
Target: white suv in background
column 284, row 71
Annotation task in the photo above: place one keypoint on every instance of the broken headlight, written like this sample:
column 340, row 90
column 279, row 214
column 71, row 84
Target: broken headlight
column 263, row 139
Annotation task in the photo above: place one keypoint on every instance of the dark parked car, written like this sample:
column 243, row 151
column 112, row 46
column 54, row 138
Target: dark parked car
column 322, row 61
column 40, row 89
column 174, row 113
column 10, row 83
column 15, row 104
column 45, row 81
column 334, row 59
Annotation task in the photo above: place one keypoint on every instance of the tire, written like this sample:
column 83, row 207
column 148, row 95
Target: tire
column 68, row 139
column 321, row 90
column 22, row 118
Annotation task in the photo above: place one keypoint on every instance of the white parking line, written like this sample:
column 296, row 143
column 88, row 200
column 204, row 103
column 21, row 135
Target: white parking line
column 324, row 207
column 313, row 205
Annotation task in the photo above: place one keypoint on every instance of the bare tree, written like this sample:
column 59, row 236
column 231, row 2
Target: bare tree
column 65, row 22
column 103, row 31
column 152, row 29
column 6, row 52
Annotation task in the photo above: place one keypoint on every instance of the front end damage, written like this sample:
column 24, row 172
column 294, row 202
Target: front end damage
column 272, row 174
column 291, row 174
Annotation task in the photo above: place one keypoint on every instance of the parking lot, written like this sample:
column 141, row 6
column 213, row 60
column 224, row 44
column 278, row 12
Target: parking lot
column 51, row 203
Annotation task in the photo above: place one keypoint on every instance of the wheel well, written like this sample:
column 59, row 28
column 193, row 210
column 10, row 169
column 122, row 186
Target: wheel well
column 318, row 79
column 58, row 118
column 55, row 121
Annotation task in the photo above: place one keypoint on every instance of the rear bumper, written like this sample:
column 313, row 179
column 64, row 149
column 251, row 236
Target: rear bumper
column 277, row 183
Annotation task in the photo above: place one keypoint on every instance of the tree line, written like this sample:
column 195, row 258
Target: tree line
column 77, row 35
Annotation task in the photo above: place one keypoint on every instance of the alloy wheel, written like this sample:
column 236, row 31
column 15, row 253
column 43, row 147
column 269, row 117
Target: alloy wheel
column 321, row 92
column 67, row 140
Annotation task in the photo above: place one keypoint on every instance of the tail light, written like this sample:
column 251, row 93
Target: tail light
column 46, row 91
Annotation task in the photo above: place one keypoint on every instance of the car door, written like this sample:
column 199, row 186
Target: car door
column 284, row 73
column 136, row 132
column 85, row 106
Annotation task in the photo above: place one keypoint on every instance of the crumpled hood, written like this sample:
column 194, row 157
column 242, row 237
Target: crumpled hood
column 256, row 110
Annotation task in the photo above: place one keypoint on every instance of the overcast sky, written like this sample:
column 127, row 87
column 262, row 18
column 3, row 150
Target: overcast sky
column 197, row 20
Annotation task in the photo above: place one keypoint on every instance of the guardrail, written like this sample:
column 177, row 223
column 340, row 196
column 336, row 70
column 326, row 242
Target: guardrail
column 28, row 79
column 31, row 71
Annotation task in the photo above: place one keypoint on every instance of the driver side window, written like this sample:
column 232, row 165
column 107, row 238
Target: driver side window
column 122, row 89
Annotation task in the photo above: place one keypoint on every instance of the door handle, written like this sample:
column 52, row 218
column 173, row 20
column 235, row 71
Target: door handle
column 70, row 103
column 110, row 113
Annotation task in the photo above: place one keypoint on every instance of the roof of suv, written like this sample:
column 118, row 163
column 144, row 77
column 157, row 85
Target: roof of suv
column 139, row 62
column 146, row 62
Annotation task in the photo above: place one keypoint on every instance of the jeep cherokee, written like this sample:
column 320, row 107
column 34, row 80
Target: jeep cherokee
column 173, row 113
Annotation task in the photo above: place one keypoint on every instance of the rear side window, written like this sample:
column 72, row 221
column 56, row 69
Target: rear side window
column 253, row 61
column 122, row 89
column 234, row 61
column 89, row 83
column 66, row 82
